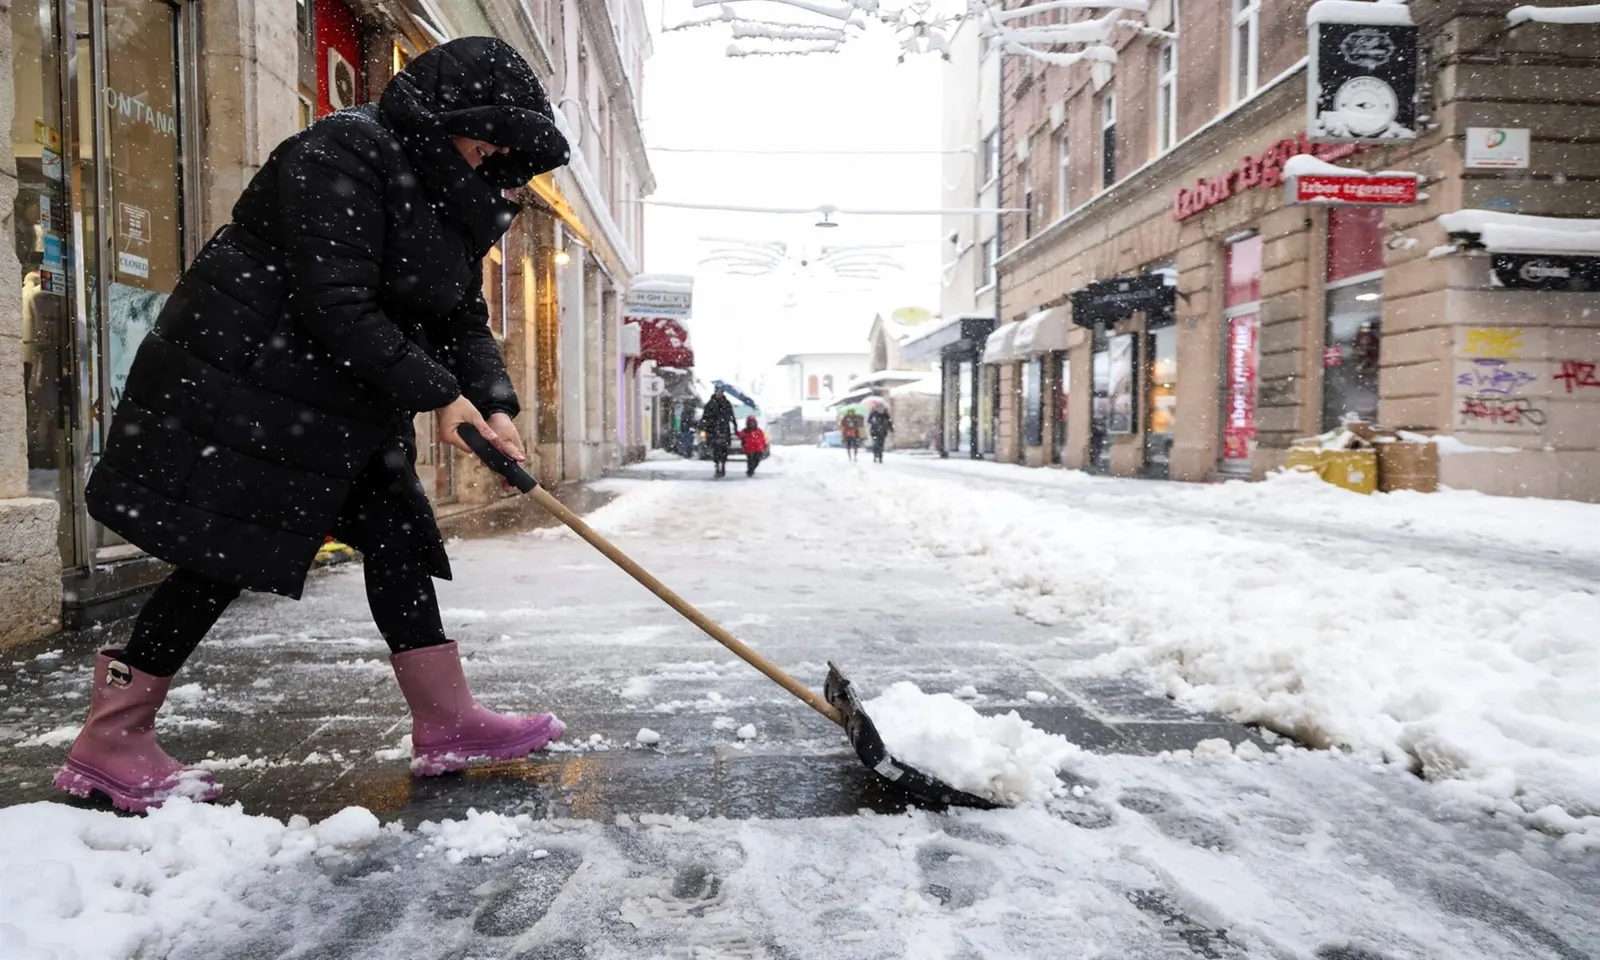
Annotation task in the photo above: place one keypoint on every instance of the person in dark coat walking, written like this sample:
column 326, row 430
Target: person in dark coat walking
column 720, row 423
column 879, row 425
column 271, row 405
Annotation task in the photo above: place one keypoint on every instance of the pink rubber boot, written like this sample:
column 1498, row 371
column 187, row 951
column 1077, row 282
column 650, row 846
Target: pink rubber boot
column 116, row 751
column 448, row 727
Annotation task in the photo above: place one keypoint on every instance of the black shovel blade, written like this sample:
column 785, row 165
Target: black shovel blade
column 923, row 789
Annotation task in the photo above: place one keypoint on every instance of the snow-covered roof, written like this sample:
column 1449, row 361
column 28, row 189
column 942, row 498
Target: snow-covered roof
column 662, row 283
column 1306, row 165
column 888, row 378
column 1520, row 233
column 1589, row 13
column 928, row 386
column 1359, row 11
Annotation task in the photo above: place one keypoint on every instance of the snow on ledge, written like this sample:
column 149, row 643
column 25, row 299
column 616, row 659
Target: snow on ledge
column 1585, row 14
column 1519, row 233
column 1359, row 11
column 1306, row 165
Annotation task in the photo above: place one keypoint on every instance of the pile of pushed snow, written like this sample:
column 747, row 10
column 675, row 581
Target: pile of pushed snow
column 1444, row 643
column 1005, row 758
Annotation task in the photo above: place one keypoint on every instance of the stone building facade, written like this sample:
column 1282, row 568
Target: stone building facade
column 1247, row 321
column 134, row 126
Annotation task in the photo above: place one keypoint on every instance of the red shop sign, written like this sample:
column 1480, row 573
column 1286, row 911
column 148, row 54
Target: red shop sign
column 1239, row 419
column 1354, row 189
column 1263, row 170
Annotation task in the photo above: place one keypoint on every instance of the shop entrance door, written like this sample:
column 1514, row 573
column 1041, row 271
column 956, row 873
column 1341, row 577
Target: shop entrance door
column 101, row 233
column 1060, row 371
column 1241, row 328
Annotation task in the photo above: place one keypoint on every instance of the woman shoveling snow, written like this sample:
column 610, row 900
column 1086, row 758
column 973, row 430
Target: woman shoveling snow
column 272, row 403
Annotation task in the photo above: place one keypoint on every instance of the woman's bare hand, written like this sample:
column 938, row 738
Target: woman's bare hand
column 509, row 438
column 456, row 413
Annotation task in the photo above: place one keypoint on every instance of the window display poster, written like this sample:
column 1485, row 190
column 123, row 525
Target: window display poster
column 1239, row 417
column 141, row 106
column 1121, row 386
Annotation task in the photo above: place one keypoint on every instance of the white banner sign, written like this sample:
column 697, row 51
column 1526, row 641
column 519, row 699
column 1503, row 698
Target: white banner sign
column 647, row 302
column 1497, row 148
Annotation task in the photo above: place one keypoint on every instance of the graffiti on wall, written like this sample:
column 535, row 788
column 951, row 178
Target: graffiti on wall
column 1499, row 342
column 1493, row 382
column 1576, row 374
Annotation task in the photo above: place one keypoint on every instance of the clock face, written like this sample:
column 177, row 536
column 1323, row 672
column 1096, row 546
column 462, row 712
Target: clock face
column 1367, row 105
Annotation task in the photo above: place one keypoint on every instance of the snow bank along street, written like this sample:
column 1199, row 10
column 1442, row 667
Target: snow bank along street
column 696, row 810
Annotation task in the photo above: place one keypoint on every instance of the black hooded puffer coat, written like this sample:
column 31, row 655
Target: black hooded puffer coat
column 274, row 395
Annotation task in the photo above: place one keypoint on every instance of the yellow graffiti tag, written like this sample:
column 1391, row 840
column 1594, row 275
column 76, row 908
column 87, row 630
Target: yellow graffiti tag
column 1494, row 342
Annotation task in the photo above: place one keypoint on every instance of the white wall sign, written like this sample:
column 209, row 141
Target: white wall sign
column 1497, row 148
column 133, row 265
column 672, row 304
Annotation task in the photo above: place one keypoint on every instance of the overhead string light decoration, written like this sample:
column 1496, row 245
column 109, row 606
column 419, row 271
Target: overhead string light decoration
column 928, row 26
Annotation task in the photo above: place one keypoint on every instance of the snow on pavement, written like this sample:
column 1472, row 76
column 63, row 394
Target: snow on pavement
column 1482, row 674
column 1296, row 854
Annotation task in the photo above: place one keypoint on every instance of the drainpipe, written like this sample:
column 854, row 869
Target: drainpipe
column 999, row 227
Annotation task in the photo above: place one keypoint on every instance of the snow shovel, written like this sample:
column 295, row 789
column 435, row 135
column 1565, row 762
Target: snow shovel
column 839, row 703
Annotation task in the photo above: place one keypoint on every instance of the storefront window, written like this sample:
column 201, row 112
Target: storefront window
column 1161, row 396
column 1354, row 293
column 1100, row 403
column 143, row 154
column 1241, row 325
column 969, row 402
column 1061, row 390
column 41, row 241
column 1033, row 402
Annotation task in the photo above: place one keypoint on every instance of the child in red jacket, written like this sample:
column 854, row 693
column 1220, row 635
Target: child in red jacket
column 754, row 442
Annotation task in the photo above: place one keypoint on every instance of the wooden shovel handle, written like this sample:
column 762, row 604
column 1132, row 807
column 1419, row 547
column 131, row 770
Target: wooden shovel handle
column 714, row 630
column 524, row 481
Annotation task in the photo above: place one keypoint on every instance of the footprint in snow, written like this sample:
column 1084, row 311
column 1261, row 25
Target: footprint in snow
column 953, row 876
column 1167, row 813
column 521, row 891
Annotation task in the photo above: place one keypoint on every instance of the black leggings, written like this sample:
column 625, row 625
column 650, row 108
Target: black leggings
column 186, row 606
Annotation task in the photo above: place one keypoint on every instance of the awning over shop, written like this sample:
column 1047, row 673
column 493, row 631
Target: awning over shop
column 664, row 341
column 1001, row 346
column 956, row 335
column 1044, row 332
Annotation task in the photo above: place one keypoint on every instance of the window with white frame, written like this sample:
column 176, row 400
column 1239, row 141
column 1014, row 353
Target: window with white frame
column 1108, row 140
column 1167, row 96
column 991, row 255
column 991, row 156
column 1063, row 173
column 1246, row 47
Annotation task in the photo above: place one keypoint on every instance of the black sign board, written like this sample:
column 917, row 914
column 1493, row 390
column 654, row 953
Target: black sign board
column 1531, row 271
column 1362, row 83
column 1106, row 301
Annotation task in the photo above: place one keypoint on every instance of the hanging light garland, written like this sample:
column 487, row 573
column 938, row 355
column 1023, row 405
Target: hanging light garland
column 928, row 26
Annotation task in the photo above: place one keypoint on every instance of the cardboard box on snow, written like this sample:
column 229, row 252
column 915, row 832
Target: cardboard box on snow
column 1408, row 465
column 1355, row 470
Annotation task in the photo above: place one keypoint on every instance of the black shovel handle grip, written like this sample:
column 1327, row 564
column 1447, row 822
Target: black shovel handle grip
column 495, row 460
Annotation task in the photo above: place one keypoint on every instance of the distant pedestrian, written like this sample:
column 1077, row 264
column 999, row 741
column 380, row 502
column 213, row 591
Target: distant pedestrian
column 272, row 404
column 879, row 425
column 686, row 427
column 754, row 442
column 850, row 430
column 719, row 423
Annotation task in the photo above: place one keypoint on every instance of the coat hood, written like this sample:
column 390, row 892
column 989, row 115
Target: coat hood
column 480, row 87
column 477, row 87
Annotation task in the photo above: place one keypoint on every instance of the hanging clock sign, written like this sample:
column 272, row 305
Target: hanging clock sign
column 1362, row 72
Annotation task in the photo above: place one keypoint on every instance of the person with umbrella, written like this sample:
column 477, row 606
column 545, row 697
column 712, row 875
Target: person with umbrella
column 272, row 403
column 879, row 425
column 850, row 429
column 719, row 423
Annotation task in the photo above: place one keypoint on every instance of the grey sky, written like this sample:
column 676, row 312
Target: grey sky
column 859, row 99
